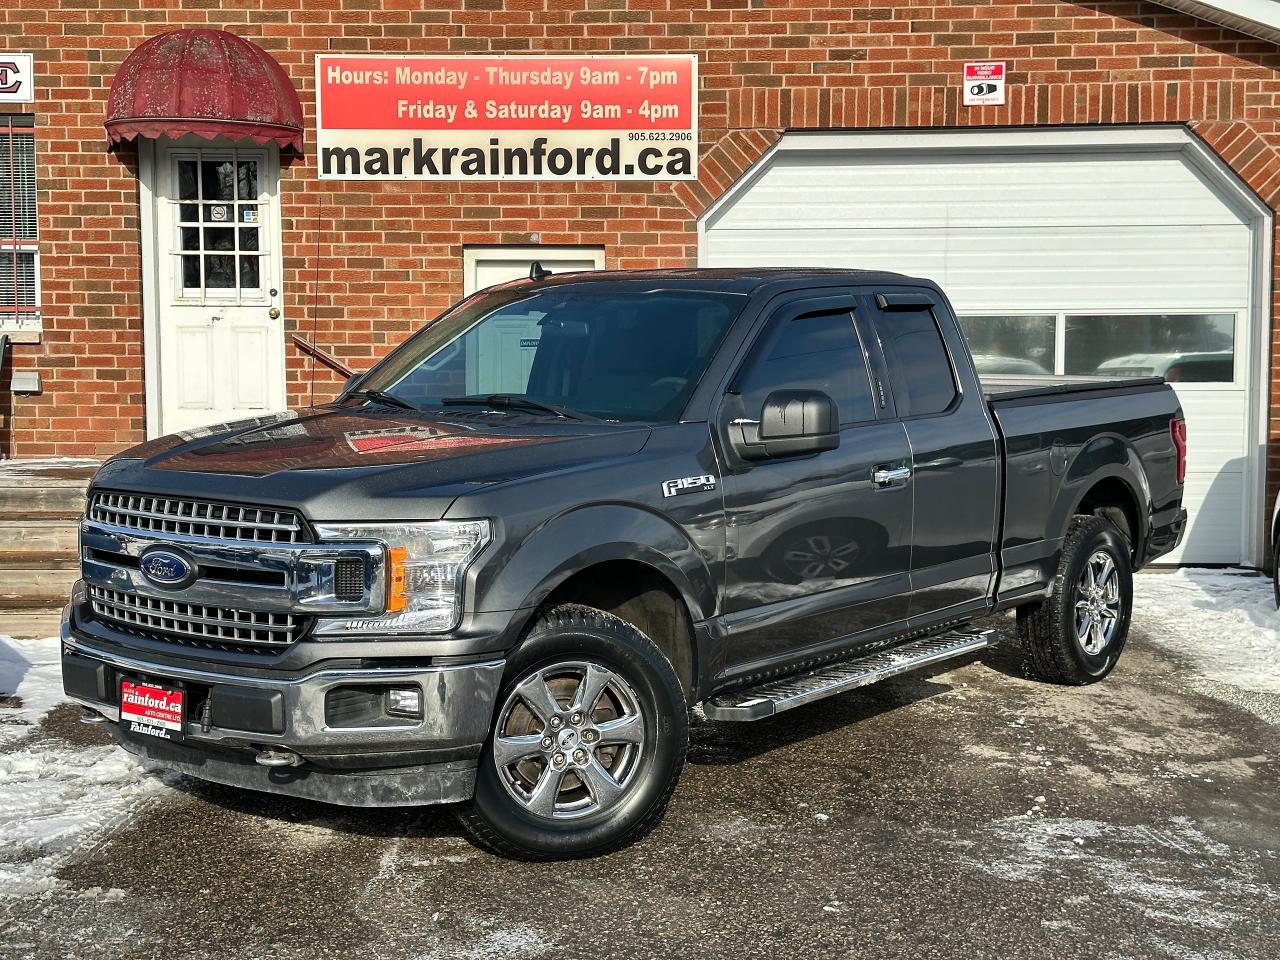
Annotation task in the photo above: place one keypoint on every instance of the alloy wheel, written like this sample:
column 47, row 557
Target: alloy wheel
column 569, row 739
column 1098, row 605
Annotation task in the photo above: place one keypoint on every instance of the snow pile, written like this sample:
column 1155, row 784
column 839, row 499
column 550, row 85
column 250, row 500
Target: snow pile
column 54, row 797
column 1223, row 622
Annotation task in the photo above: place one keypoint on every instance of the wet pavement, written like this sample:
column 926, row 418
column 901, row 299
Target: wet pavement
column 960, row 812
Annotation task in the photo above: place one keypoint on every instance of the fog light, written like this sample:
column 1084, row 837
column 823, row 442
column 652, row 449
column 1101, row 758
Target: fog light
column 404, row 702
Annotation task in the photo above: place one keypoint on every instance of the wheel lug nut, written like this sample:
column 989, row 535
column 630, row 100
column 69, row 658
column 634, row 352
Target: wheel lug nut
column 589, row 736
column 556, row 723
column 558, row 759
column 576, row 719
column 579, row 756
column 546, row 743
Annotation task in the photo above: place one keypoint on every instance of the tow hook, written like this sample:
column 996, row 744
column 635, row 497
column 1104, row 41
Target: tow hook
column 277, row 758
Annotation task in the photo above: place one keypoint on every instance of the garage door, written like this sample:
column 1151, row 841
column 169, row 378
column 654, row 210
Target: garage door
column 1116, row 262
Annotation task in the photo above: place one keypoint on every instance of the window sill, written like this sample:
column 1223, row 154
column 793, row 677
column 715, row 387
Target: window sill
column 26, row 335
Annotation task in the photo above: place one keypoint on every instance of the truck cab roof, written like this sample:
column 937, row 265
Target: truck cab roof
column 747, row 280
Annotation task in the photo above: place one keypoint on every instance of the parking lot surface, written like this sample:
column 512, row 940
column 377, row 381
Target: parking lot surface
column 960, row 812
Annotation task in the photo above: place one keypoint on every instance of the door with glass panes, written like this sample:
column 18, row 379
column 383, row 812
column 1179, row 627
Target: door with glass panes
column 221, row 336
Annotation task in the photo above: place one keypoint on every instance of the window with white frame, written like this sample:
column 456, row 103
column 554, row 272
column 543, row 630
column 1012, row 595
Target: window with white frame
column 19, row 246
column 1181, row 347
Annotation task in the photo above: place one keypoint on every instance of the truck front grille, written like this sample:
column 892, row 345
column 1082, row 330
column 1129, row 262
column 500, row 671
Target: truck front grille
column 194, row 624
column 196, row 518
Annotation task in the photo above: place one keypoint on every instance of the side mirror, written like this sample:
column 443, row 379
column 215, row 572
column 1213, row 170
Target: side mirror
column 793, row 423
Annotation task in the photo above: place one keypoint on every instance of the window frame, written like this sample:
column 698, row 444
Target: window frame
column 793, row 310
column 882, row 319
column 1240, row 376
column 15, row 125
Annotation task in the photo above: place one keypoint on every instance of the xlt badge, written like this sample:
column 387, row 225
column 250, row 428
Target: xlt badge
column 673, row 488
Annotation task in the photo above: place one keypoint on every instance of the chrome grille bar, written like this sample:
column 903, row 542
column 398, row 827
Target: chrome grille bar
column 197, row 623
column 196, row 518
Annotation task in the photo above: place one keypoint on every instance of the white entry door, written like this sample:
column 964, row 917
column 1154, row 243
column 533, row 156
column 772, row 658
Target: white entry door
column 488, row 366
column 218, row 329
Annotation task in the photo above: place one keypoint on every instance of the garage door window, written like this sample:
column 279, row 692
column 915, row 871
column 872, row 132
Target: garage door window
column 1013, row 344
column 1191, row 348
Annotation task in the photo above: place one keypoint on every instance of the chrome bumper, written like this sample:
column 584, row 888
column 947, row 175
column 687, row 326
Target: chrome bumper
column 458, row 703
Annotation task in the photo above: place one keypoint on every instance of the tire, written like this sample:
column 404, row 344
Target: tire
column 1057, row 645
column 637, row 729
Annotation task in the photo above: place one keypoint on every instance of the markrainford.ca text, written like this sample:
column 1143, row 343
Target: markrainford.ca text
column 422, row 160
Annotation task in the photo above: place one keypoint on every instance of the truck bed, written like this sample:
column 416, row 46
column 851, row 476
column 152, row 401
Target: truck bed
column 1007, row 387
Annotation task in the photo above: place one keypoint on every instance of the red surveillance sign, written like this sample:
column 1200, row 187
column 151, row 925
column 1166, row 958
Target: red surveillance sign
column 984, row 84
column 17, row 78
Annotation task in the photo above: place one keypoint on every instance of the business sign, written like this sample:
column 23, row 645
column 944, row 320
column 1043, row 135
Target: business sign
column 17, row 78
column 507, row 118
column 984, row 84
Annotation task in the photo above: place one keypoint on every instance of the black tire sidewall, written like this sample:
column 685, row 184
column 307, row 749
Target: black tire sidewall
column 1104, row 537
column 634, row 658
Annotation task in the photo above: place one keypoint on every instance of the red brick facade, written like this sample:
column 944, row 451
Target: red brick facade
column 390, row 254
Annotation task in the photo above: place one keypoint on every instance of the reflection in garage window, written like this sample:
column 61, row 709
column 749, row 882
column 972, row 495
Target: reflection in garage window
column 1011, row 344
column 1193, row 347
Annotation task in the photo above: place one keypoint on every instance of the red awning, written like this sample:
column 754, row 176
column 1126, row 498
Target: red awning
column 207, row 82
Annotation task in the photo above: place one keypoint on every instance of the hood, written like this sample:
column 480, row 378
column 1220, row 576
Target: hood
column 351, row 463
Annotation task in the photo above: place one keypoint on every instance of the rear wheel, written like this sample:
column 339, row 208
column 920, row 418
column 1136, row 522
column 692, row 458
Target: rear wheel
column 1076, row 636
column 588, row 741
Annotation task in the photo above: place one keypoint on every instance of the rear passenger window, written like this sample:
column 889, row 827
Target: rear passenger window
column 919, row 367
column 815, row 352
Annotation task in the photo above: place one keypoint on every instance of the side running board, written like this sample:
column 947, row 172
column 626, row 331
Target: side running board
column 774, row 696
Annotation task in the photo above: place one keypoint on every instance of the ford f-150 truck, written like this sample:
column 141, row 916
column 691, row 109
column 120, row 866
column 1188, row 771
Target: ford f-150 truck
column 505, row 564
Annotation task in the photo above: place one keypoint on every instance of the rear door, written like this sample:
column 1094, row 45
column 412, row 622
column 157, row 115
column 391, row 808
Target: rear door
column 818, row 549
column 955, row 462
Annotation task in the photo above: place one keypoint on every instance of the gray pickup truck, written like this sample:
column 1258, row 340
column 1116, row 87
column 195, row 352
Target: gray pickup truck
column 502, row 567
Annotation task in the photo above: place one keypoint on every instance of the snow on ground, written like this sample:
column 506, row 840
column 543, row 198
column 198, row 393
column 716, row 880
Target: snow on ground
column 54, row 797
column 1224, row 623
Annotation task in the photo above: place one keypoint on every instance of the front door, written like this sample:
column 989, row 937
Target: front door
column 819, row 544
column 218, row 329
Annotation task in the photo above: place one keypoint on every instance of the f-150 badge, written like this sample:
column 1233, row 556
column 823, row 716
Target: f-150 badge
column 673, row 488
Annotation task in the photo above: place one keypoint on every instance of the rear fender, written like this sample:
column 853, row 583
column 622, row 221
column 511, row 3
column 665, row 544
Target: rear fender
column 1103, row 458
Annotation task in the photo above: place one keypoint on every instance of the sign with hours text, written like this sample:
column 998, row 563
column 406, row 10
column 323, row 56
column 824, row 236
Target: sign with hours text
column 17, row 78
column 984, row 84
column 507, row 118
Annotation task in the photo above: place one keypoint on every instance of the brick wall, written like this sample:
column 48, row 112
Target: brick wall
column 365, row 263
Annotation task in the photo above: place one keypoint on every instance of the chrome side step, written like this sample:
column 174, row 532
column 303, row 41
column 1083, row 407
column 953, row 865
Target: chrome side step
column 774, row 696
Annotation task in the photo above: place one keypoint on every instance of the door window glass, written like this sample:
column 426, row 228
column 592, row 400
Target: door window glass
column 919, row 367
column 1023, row 345
column 815, row 352
column 218, row 227
column 1191, row 347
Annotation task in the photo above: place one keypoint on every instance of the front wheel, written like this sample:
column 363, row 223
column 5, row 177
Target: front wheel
column 587, row 744
column 1076, row 636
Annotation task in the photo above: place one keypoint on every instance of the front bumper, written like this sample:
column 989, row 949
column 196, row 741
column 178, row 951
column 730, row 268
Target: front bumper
column 233, row 717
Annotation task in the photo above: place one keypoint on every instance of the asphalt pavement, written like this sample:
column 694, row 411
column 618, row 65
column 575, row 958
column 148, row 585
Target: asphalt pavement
column 961, row 812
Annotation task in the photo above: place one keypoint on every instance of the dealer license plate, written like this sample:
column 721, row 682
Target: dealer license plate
column 152, row 710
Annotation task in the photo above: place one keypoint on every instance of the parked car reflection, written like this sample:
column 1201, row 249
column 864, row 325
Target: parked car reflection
column 1210, row 367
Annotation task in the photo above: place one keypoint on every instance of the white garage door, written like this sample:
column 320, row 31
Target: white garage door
column 1121, row 262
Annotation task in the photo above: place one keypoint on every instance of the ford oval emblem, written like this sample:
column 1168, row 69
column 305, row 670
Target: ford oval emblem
column 165, row 568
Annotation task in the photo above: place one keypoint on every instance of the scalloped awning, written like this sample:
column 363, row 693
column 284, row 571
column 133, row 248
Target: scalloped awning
column 207, row 82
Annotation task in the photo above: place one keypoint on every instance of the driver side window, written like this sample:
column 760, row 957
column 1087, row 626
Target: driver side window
column 817, row 351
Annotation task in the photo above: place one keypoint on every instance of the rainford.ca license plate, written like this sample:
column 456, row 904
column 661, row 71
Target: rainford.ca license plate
column 151, row 710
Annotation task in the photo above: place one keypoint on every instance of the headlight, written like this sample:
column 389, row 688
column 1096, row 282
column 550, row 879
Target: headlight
column 426, row 565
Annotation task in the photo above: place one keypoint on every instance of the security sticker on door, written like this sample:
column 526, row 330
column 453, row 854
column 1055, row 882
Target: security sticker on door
column 984, row 83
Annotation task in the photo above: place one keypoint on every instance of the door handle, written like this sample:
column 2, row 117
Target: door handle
column 886, row 476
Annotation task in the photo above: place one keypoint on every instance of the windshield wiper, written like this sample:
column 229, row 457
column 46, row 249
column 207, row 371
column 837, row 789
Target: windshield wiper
column 384, row 398
column 519, row 402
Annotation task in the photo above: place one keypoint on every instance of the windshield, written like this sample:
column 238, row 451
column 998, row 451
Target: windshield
column 621, row 353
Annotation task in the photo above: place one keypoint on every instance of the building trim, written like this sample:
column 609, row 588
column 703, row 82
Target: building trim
column 1258, row 18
